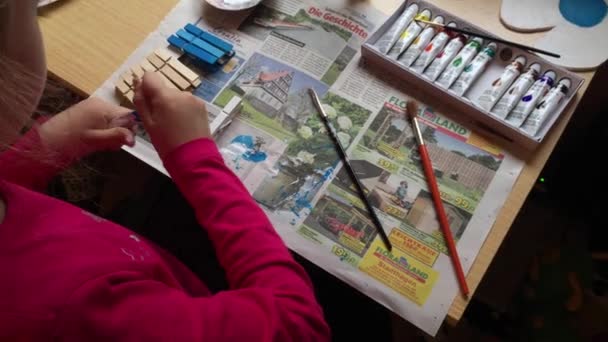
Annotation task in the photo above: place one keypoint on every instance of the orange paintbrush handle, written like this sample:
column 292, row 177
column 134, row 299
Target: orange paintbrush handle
column 443, row 219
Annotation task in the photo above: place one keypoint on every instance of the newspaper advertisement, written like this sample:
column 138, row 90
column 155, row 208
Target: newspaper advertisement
column 279, row 148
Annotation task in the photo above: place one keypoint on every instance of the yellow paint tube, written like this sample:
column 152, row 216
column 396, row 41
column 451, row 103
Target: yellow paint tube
column 390, row 37
column 408, row 36
column 420, row 43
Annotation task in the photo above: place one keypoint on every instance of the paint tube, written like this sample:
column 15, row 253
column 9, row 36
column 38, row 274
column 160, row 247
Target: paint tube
column 463, row 58
column 408, row 36
column 432, row 49
column 420, row 43
column 490, row 96
column 533, row 95
column 390, row 37
column 472, row 71
column 445, row 57
column 510, row 99
column 546, row 107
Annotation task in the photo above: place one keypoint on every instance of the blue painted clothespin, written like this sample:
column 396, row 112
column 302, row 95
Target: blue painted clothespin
column 202, row 46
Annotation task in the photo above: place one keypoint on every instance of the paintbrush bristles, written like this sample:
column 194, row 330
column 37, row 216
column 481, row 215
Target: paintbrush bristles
column 412, row 113
column 430, row 22
column 411, row 109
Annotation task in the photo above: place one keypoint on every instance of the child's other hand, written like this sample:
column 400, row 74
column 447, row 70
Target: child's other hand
column 171, row 117
column 86, row 128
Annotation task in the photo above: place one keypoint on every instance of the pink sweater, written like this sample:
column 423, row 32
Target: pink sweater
column 69, row 275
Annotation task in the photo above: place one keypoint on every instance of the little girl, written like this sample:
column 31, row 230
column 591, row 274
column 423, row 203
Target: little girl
column 69, row 275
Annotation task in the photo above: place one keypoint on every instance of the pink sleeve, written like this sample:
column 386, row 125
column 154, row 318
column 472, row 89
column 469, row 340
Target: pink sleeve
column 129, row 306
column 253, row 255
column 271, row 297
column 28, row 164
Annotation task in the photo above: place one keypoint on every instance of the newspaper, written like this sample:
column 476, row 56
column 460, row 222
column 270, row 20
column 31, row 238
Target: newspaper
column 279, row 148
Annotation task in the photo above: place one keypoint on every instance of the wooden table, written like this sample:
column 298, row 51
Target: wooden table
column 87, row 40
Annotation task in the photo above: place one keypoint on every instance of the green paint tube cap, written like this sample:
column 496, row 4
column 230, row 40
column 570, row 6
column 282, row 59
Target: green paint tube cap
column 490, row 50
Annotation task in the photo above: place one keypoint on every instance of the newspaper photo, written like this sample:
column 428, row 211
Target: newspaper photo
column 278, row 146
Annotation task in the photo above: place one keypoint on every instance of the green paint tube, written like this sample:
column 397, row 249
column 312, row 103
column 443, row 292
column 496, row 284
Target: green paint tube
column 451, row 73
column 472, row 71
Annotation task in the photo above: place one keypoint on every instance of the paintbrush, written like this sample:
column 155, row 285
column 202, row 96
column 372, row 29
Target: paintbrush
column 412, row 113
column 348, row 167
column 494, row 39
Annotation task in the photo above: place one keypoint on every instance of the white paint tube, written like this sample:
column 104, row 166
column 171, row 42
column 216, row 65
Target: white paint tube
column 533, row 95
column 445, row 57
column 390, row 37
column 432, row 50
column 420, row 43
column 408, row 36
column 490, row 96
column 464, row 57
column 472, row 71
column 546, row 107
column 510, row 99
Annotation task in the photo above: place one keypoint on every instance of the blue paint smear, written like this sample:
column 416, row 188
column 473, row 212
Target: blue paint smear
column 246, row 140
column 584, row 13
column 527, row 98
column 251, row 155
column 254, row 156
column 303, row 197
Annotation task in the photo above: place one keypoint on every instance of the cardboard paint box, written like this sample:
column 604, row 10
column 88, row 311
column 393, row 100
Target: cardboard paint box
column 463, row 108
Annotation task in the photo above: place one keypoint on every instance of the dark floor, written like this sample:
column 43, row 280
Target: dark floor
column 549, row 281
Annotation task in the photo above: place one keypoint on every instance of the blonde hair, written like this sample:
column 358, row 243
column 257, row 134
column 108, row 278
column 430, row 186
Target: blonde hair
column 20, row 86
column 18, row 99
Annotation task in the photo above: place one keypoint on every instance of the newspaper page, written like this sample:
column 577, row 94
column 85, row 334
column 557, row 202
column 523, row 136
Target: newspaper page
column 279, row 148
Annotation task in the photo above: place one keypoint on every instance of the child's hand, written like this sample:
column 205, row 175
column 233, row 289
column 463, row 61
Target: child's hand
column 171, row 117
column 87, row 127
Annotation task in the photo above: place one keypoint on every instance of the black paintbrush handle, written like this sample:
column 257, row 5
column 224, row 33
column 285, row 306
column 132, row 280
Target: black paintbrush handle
column 351, row 172
column 502, row 41
column 498, row 40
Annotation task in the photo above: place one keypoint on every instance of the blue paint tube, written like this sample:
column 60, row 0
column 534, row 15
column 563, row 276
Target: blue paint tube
column 546, row 107
column 532, row 97
column 510, row 99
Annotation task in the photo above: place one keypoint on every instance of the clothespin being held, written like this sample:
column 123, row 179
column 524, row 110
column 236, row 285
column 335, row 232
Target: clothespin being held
column 130, row 119
column 127, row 121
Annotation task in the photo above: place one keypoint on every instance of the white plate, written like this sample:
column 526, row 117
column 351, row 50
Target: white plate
column 233, row 5
column 45, row 2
